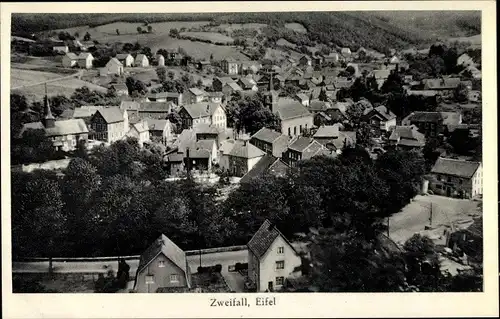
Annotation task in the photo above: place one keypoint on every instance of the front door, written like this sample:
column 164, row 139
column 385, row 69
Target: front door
column 270, row 286
column 448, row 191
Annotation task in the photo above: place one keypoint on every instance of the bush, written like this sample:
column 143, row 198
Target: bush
column 240, row 266
column 218, row 268
column 202, row 269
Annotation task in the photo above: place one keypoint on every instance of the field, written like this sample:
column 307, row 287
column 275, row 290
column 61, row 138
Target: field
column 474, row 40
column 208, row 36
column 37, row 92
column 297, row 27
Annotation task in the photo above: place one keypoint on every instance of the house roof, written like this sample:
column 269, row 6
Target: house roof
column 205, row 145
column 130, row 105
column 156, row 107
column 114, row 61
column 234, row 86
column 61, row 127
column 84, row 56
column 164, row 95
column 385, row 112
column 317, row 105
column 86, row 111
column 302, row 96
column 122, row 56
column 140, row 57
column 111, row 114
column 215, row 94
column 196, row 91
column 425, row 117
column 407, row 136
column 246, row 150
column 266, row 135
column 289, row 108
column 164, row 245
column 263, row 239
column 156, row 125
column 259, row 168
column 72, row 56
column 141, row 126
column 247, row 83
column 327, row 131
column 202, row 109
column 422, row 92
column 226, row 146
column 460, row 168
column 381, row 74
column 204, row 128
column 225, row 79
column 119, row 87
column 443, row 83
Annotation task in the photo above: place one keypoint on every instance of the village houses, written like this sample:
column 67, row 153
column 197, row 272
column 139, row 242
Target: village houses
column 193, row 95
column 160, row 129
column 242, row 158
column 113, row 67
column 141, row 60
column 406, row 137
column 294, row 117
column 456, row 178
column 229, row 66
column 271, row 259
column 126, row 59
column 162, row 265
column 109, row 124
column 140, row 131
column 271, row 142
column 205, row 112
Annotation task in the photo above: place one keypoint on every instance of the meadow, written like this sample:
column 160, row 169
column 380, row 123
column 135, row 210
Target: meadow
column 208, row 36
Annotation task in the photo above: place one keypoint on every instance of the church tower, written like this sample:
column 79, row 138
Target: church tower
column 49, row 121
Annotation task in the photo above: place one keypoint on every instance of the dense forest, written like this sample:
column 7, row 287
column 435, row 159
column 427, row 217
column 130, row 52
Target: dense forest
column 345, row 29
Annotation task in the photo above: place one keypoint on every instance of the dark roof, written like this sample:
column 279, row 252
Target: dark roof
column 301, row 143
column 288, row 109
column 267, row 135
column 163, row 95
column 460, row 168
column 164, row 245
column 451, row 118
column 425, row 117
column 264, row 238
column 407, row 136
column 156, row 106
column 246, row 150
column 204, row 128
column 202, row 109
column 317, row 105
column 156, row 125
column 327, row 131
column 111, row 114
column 385, row 112
column 259, row 169
column 122, row 56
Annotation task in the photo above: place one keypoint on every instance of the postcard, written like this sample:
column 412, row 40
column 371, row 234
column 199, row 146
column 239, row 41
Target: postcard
column 249, row 159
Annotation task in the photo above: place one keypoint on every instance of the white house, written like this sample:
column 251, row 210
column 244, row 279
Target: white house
column 114, row 66
column 465, row 60
column 271, row 258
column 69, row 60
column 140, row 131
column 60, row 48
column 141, row 60
column 85, row 60
column 126, row 59
column 161, row 129
column 205, row 112
column 456, row 178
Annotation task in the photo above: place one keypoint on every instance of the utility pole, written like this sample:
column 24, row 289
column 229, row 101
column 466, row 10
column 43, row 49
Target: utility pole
column 388, row 223
column 430, row 216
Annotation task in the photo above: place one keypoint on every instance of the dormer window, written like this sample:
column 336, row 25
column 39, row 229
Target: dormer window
column 281, row 250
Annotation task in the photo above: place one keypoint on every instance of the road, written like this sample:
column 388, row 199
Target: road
column 415, row 216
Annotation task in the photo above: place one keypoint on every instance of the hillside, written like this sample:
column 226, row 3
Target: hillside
column 376, row 30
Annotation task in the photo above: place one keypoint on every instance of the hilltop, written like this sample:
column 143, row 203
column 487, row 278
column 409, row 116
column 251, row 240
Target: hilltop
column 375, row 30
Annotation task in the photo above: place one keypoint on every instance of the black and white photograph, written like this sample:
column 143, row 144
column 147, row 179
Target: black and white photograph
column 246, row 152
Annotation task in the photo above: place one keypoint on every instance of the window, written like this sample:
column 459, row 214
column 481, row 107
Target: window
column 439, row 186
column 281, row 250
column 280, row 264
column 280, row 281
column 460, row 181
column 150, row 279
column 295, row 130
column 300, row 128
column 289, row 132
column 174, row 278
column 439, row 177
column 449, row 179
column 161, row 263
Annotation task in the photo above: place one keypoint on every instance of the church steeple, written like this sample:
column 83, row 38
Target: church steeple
column 49, row 119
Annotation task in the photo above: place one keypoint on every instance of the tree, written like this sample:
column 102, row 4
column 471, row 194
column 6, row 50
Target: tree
column 171, row 75
column 422, row 262
column 117, row 31
column 150, row 29
column 162, row 74
column 251, row 115
column 135, row 87
column 87, row 37
column 346, row 262
column 128, row 47
column 58, row 104
column 174, row 33
column 461, row 93
column 139, row 30
column 37, row 212
column 77, row 35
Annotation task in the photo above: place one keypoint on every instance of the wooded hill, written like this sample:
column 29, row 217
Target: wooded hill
column 376, row 30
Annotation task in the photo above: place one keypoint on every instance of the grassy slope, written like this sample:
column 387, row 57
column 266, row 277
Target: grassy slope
column 368, row 29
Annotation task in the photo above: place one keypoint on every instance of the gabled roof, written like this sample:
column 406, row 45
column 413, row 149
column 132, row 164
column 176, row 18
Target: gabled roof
column 226, row 146
column 225, row 79
column 381, row 74
column 163, row 95
column 156, row 125
column 86, row 111
column 72, row 56
column 407, row 136
column 460, row 168
column 202, row 109
column 130, row 105
column 327, row 131
column 119, row 87
column 289, row 108
column 385, row 112
column 140, row 57
column 141, row 126
column 156, row 107
column 61, row 127
column 204, row 128
column 266, row 135
column 451, row 118
column 259, row 168
column 84, row 56
column 114, row 61
column 234, row 86
column 246, row 150
column 122, row 56
column 111, row 114
column 425, row 117
column 263, row 239
column 302, row 96
column 317, row 105
column 163, row 245
column 205, row 145
column 196, row 91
